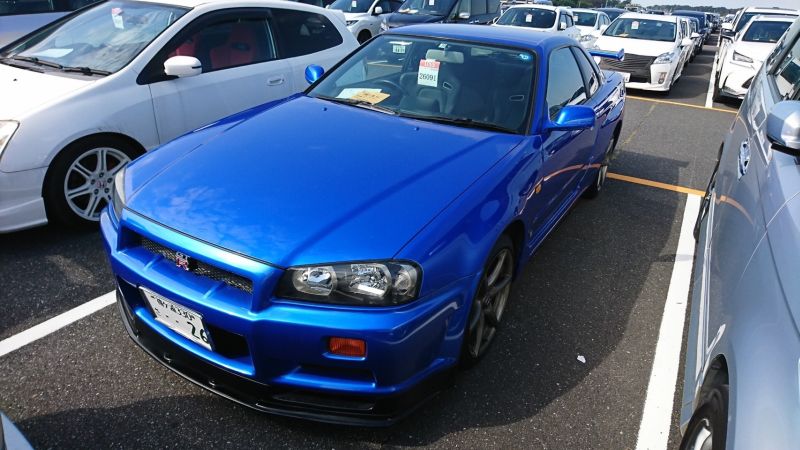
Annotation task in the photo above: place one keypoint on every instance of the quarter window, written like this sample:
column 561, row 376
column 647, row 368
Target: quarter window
column 565, row 85
column 301, row 33
column 787, row 73
column 590, row 74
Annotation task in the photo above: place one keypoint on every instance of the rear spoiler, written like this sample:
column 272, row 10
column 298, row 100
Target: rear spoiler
column 619, row 56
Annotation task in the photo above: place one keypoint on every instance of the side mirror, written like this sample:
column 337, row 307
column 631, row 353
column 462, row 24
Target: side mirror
column 183, row 66
column 562, row 26
column 314, row 73
column 603, row 28
column 377, row 11
column 727, row 26
column 685, row 42
column 573, row 118
column 695, row 35
column 463, row 15
column 783, row 125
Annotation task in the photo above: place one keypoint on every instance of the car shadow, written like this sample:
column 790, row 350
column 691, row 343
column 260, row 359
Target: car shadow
column 608, row 260
column 46, row 271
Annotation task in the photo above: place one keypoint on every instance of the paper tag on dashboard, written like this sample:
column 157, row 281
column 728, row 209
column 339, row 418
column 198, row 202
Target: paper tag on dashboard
column 634, row 25
column 431, row 2
column 529, row 18
column 371, row 96
column 428, row 72
column 354, row 4
column 398, row 48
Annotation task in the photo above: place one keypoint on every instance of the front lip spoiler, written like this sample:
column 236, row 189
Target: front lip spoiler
column 282, row 401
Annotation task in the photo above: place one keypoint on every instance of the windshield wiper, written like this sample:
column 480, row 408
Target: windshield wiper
column 86, row 70
column 37, row 61
column 464, row 121
column 10, row 62
column 360, row 103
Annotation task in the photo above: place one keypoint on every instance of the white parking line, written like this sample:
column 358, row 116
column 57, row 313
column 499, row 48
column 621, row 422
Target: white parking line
column 654, row 429
column 49, row 326
column 710, row 92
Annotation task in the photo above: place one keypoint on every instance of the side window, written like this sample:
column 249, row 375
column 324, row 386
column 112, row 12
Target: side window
column 786, row 74
column 478, row 7
column 590, row 75
column 562, row 21
column 225, row 43
column 565, row 84
column 569, row 21
column 493, row 6
column 395, row 5
column 302, row 33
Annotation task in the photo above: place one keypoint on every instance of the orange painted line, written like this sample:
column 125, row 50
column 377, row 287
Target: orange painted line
column 656, row 184
column 688, row 105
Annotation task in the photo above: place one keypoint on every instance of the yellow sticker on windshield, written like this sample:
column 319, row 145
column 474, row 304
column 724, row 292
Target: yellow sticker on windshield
column 370, row 96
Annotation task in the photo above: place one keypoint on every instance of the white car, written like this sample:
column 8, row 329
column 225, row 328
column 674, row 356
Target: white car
column 655, row 50
column 746, row 54
column 591, row 24
column 554, row 19
column 83, row 98
column 364, row 17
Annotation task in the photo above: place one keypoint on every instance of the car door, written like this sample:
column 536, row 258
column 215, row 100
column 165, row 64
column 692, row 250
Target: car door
column 564, row 152
column 240, row 70
column 305, row 38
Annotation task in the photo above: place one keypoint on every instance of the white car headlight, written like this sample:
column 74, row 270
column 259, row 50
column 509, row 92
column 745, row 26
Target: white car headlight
column 118, row 200
column 586, row 37
column 7, row 129
column 664, row 58
column 741, row 58
column 351, row 22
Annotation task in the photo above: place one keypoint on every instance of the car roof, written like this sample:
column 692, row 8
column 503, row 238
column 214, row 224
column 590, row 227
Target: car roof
column 510, row 36
column 772, row 18
column 584, row 10
column 769, row 10
column 633, row 15
column 224, row 3
column 538, row 6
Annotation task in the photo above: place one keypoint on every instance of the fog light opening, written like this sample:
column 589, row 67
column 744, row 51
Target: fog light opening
column 661, row 77
column 347, row 347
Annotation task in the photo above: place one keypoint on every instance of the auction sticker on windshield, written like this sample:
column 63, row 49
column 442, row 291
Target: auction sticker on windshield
column 428, row 74
column 179, row 319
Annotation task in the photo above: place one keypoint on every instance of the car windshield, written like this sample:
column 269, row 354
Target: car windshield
column 746, row 17
column 646, row 29
column 432, row 7
column 584, row 18
column 352, row 6
column 528, row 17
column 701, row 18
column 458, row 83
column 765, row 31
column 612, row 14
column 100, row 40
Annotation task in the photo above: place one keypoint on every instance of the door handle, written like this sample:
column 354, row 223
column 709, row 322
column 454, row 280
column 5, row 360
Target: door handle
column 744, row 158
column 275, row 81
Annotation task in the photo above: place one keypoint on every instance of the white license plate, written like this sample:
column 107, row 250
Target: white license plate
column 625, row 76
column 179, row 319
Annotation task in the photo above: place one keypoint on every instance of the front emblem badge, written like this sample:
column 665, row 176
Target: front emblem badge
column 182, row 260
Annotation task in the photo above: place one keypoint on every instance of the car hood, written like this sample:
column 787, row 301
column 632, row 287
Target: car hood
column 310, row 181
column 400, row 19
column 23, row 90
column 634, row 46
column 756, row 50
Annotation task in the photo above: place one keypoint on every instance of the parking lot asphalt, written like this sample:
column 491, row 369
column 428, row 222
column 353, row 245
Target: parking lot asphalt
column 595, row 289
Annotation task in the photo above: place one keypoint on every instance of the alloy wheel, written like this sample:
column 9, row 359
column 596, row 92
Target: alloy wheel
column 89, row 182
column 702, row 439
column 490, row 302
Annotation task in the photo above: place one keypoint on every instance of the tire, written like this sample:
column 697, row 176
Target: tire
column 717, row 94
column 486, row 312
column 599, row 180
column 708, row 429
column 363, row 36
column 77, row 186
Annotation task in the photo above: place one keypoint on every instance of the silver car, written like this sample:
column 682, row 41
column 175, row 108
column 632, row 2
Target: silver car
column 18, row 18
column 742, row 379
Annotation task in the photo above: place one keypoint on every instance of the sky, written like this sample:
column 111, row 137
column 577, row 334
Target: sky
column 733, row 4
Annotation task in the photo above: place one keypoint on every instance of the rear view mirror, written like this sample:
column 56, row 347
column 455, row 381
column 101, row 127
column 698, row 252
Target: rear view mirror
column 572, row 118
column 183, row 66
column 377, row 11
column 314, row 73
column 783, row 126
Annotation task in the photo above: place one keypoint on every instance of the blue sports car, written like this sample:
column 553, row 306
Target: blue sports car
column 334, row 255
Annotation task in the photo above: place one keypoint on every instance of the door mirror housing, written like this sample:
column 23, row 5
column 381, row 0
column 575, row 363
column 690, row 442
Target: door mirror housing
column 314, row 73
column 695, row 35
column 573, row 118
column 377, row 11
column 783, row 126
column 726, row 26
column 183, row 66
column 463, row 15
column 602, row 28
column 685, row 42
column 562, row 26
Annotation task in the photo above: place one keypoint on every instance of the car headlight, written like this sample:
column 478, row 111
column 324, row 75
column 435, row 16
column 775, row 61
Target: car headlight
column 351, row 22
column 383, row 283
column 384, row 26
column 586, row 37
column 741, row 58
column 664, row 58
column 7, row 129
column 118, row 200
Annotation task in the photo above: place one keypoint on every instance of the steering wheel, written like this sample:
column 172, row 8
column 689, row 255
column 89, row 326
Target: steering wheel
column 393, row 88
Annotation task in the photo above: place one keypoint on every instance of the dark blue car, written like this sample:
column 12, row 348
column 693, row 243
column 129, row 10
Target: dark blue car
column 333, row 255
column 442, row 11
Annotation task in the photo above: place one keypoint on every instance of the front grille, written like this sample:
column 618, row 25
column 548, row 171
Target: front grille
column 636, row 65
column 198, row 267
column 747, row 83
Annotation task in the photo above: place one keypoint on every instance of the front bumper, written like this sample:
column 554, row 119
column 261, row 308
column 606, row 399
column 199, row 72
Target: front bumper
column 21, row 202
column 660, row 79
column 271, row 354
column 736, row 79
